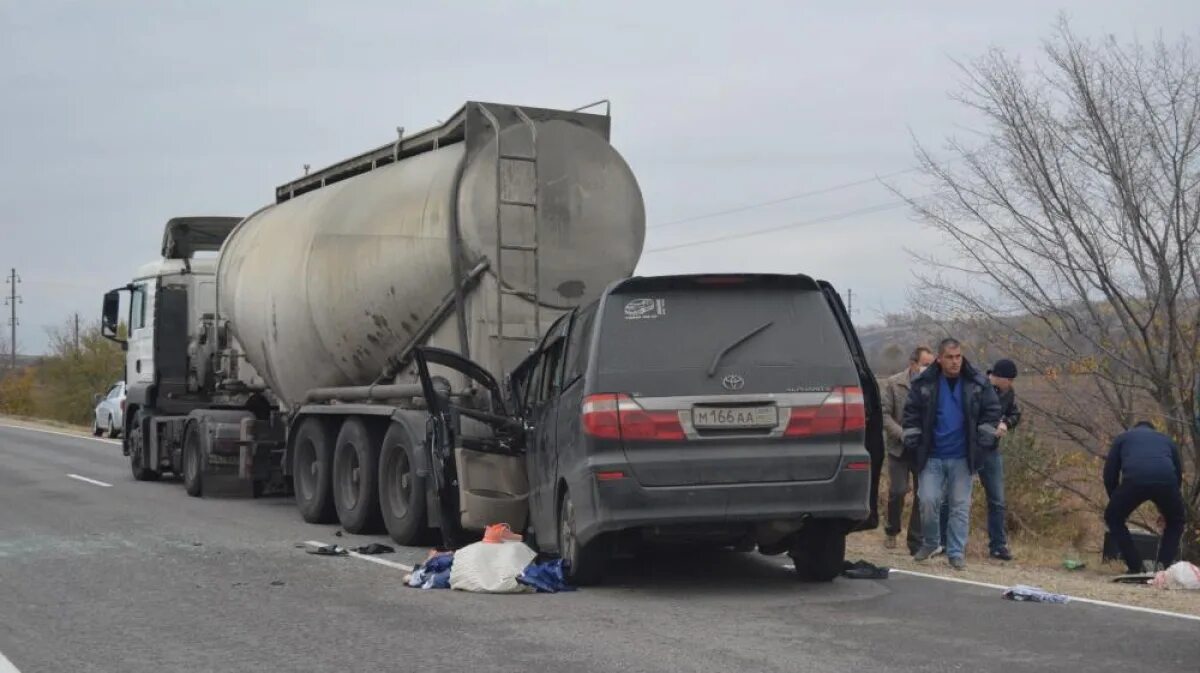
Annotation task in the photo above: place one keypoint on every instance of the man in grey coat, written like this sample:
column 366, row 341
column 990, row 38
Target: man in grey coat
column 901, row 467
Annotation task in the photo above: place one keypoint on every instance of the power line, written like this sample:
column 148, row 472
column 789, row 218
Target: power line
column 785, row 199
column 890, row 205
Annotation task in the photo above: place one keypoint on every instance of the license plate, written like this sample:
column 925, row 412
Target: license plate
column 735, row 417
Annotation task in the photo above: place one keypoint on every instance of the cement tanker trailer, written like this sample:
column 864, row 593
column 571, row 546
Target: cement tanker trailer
column 289, row 359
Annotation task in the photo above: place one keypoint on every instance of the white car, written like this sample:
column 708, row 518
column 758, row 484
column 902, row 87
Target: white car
column 110, row 411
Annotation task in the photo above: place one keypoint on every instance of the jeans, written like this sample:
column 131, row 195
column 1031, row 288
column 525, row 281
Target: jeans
column 991, row 475
column 1127, row 498
column 900, row 472
column 946, row 480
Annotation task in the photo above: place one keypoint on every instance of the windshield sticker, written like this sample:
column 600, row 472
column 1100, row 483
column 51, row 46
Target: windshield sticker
column 645, row 309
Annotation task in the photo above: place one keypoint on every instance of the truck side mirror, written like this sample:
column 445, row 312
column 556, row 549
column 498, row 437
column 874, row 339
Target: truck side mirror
column 110, row 316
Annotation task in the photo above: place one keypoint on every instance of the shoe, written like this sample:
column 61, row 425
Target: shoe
column 938, row 551
column 1002, row 554
column 924, row 555
column 889, row 542
column 958, row 564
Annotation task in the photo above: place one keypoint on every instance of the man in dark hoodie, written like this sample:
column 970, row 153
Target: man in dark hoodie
column 950, row 421
column 1143, row 465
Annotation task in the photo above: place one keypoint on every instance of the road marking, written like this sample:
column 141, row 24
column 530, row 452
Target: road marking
column 90, row 481
column 368, row 557
column 64, row 434
column 1091, row 601
column 7, row 666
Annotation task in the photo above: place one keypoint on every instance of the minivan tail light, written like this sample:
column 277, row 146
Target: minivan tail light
column 842, row 411
column 619, row 416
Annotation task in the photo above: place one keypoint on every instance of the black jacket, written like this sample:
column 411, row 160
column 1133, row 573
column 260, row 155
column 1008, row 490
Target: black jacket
column 1010, row 411
column 1142, row 456
column 981, row 410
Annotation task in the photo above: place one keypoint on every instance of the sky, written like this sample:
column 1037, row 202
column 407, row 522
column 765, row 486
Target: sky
column 119, row 115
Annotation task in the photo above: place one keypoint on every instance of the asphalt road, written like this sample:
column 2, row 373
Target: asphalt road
column 139, row 577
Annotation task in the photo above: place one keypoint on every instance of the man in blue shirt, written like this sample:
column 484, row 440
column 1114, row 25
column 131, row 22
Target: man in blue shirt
column 1143, row 465
column 950, row 422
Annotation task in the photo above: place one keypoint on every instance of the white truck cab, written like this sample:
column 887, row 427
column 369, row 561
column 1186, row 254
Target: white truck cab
column 196, row 277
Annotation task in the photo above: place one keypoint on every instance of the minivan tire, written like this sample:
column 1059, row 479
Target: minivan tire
column 583, row 564
column 820, row 551
column 312, row 471
column 402, row 489
column 112, row 429
column 355, row 473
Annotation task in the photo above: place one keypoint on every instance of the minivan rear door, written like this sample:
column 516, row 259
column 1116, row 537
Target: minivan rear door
column 727, row 379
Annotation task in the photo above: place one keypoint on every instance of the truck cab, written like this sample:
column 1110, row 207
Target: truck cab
column 168, row 302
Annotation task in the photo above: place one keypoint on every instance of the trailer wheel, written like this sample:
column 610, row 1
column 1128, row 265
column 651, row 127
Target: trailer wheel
column 193, row 461
column 312, row 468
column 355, row 472
column 137, row 450
column 401, row 489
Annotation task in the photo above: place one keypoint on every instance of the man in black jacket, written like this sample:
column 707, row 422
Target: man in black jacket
column 950, row 421
column 1144, row 465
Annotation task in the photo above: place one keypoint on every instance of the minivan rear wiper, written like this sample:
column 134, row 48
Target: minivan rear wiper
column 712, row 369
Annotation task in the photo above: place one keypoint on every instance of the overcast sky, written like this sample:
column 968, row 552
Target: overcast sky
column 116, row 116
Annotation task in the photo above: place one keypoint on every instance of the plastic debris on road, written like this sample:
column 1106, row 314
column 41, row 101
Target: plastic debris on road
column 1182, row 575
column 373, row 548
column 328, row 550
column 434, row 573
column 491, row 568
column 1030, row 594
column 500, row 532
column 546, row 577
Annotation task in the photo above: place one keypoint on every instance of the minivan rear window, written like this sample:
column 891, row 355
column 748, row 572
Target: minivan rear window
column 775, row 339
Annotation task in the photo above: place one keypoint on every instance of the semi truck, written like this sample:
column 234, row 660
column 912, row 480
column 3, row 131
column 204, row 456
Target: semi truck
column 285, row 348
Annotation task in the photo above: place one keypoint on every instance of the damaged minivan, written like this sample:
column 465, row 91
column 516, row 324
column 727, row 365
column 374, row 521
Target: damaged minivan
column 728, row 410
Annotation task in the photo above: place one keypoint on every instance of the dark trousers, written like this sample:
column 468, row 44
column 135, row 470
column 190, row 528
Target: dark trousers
column 900, row 474
column 1127, row 498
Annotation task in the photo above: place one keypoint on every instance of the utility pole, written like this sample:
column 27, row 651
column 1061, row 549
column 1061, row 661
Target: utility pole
column 76, row 332
column 12, row 300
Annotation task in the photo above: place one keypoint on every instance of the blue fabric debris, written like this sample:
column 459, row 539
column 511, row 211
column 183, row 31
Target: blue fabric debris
column 1022, row 592
column 433, row 574
column 546, row 577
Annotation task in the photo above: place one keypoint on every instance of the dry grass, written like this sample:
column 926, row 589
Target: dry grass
column 26, row 422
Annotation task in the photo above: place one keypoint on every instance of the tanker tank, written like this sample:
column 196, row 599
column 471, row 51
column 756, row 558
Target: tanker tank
column 328, row 287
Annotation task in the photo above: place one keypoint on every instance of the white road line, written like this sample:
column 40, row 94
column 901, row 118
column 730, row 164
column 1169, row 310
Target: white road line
column 7, row 666
column 64, row 434
column 366, row 557
column 90, row 481
column 1091, row 601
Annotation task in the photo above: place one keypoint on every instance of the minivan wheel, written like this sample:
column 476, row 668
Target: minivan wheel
column 355, row 470
column 401, row 489
column 312, row 468
column 112, row 430
column 193, row 461
column 96, row 431
column 583, row 564
column 820, row 551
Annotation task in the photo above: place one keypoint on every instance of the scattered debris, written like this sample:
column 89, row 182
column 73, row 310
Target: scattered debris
column 1182, row 575
column 1030, row 594
column 500, row 532
column 864, row 570
column 278, row 583
column 1074, row 564
column 491, row 568
column 197, row 544
column 1136, row 578
column 373, row 548
column 434, row 573
column 328, row 550
column 546, row 577
column 337, row 533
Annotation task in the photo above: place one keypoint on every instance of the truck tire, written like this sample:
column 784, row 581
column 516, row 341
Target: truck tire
column 312, row 470
column 820, row 551
column 137, row 450
column 583, row 564
column 193, row 461
column 402, row 489
column 355, row 477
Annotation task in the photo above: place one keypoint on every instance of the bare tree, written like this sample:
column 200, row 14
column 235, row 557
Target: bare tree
column 1071, row 228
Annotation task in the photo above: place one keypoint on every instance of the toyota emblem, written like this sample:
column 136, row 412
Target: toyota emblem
column 733, row 382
